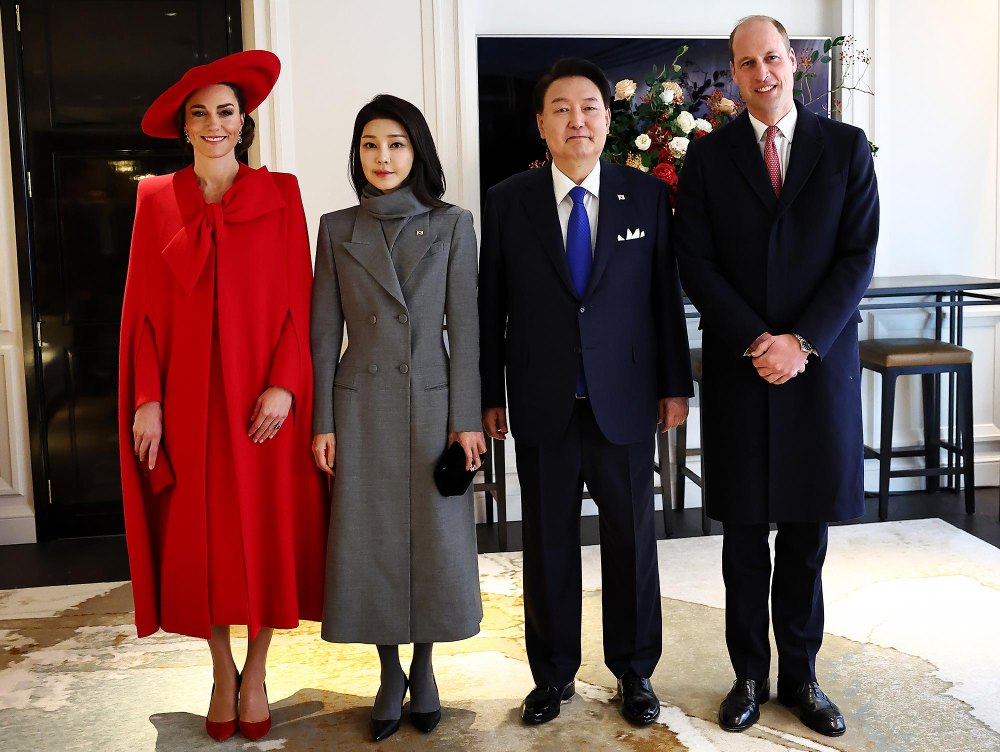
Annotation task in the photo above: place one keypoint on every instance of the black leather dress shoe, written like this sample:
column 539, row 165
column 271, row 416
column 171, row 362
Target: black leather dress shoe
column 741, row 708
column 640, row 705
column 816, row 710
column 542, row 703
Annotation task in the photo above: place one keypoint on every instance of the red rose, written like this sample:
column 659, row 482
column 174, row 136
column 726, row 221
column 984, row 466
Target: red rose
column 665, row 172
column 698, row 133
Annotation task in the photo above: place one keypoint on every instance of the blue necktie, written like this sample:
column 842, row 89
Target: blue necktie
column 579, row 256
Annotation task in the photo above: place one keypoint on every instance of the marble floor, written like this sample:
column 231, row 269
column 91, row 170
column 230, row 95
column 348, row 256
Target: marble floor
column 910, row 655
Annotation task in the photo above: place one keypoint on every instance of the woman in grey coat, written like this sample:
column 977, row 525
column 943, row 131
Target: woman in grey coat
column 401, row 563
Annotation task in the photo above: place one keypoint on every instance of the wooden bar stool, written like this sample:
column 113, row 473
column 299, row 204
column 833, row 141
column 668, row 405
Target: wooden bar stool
column 682, row 452
column 929, row 358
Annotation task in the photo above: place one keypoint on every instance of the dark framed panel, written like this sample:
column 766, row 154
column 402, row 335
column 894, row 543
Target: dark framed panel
column 509, row 66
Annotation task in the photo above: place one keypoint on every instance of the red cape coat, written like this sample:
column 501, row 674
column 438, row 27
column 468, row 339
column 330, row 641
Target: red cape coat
column 263, row 271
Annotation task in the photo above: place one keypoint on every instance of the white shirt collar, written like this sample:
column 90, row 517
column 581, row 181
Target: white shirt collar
column 786, row 125
column 563, row 185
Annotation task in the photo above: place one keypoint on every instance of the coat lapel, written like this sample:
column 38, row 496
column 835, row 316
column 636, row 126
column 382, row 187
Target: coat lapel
column 609, row 222
column 746, row 154
column 539, row 204
column 807, row 147
column 367, row 246
column 412, row 245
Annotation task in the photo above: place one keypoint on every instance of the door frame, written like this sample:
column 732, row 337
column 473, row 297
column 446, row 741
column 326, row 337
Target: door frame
column 48, row 524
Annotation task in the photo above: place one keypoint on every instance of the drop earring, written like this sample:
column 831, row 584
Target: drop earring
column 186, row 136
column 239, row 136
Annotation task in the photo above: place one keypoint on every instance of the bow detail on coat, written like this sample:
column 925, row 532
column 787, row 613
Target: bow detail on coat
column 253, row 194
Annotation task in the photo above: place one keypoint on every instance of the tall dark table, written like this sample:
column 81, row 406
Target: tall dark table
column 950, row 291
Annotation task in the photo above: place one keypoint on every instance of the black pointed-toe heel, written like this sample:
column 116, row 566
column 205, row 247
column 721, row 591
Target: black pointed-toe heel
column 383, row 729
column 425, row 722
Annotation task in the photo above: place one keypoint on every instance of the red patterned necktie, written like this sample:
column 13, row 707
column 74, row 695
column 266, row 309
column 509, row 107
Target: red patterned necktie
column 771, row 159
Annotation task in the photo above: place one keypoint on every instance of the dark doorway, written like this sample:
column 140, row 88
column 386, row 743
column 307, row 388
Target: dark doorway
column 80, row 74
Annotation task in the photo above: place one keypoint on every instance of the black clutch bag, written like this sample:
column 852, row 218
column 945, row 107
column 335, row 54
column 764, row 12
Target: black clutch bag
column 450, row 475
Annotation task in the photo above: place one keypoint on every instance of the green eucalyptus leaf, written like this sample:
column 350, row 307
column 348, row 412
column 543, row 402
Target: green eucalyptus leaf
column 827, row 44
column 826, row 59
column 815, row 55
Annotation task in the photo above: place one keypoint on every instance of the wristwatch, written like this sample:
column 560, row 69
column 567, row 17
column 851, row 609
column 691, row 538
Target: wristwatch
column 804, row 344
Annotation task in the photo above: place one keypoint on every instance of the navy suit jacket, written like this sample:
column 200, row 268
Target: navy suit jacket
column 752, row 262
column 628, row 327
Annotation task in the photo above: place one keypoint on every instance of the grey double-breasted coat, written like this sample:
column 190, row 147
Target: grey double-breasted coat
column 401, row 563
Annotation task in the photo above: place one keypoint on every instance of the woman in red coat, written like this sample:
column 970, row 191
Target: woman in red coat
column 225, row 514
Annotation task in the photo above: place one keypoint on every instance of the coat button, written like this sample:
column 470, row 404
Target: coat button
column 373, row 368
column 373, row 319
column 402, row 318
column 403, row 368
column 582, row 309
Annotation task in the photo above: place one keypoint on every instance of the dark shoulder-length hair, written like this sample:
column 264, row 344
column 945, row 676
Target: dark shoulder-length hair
column 426, row 177
column 246, row 132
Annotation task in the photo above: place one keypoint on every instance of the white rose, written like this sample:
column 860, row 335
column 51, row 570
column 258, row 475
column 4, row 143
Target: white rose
column 678, row 146
column 676, row 95
column 643, row 141
column 624, row 89
column 685, row 121
column 703, row 125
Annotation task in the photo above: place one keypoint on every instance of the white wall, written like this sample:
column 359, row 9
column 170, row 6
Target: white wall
column 935, row 118
column 335, row 57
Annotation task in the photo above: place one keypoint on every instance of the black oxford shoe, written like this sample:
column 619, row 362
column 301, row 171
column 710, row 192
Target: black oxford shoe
column 640, row 705
column 543, row 703
column 816, row 710
column 741, row 708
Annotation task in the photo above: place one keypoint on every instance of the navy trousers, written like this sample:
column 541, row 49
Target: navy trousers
column 620, row 480
column 796, row 592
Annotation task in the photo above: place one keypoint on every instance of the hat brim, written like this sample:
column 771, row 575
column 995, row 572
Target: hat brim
column 254, row 71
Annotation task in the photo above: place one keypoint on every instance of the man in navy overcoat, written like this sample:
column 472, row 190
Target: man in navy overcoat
column 775, row 239
column 581, row 318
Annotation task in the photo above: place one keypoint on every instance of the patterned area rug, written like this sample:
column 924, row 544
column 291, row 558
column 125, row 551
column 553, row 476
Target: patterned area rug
column 910, row 656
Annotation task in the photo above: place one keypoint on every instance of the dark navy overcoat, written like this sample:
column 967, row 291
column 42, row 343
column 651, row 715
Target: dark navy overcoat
column 751, row 262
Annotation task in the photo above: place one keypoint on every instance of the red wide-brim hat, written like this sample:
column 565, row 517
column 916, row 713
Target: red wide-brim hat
column 254, row 71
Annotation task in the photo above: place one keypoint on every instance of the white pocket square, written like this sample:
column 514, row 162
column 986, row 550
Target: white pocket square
column 633, row 234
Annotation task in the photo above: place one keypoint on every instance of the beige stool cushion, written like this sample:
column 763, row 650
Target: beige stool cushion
column 904, row 352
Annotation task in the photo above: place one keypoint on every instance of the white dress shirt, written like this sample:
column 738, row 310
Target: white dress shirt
column 782, row 140
column 564, row 202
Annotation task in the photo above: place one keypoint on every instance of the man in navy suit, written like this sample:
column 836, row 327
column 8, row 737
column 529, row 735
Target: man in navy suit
column 580, row 310
column 777, row 221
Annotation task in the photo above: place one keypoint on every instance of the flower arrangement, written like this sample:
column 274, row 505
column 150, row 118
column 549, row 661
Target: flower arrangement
column 652, row 132
column 853, row 68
